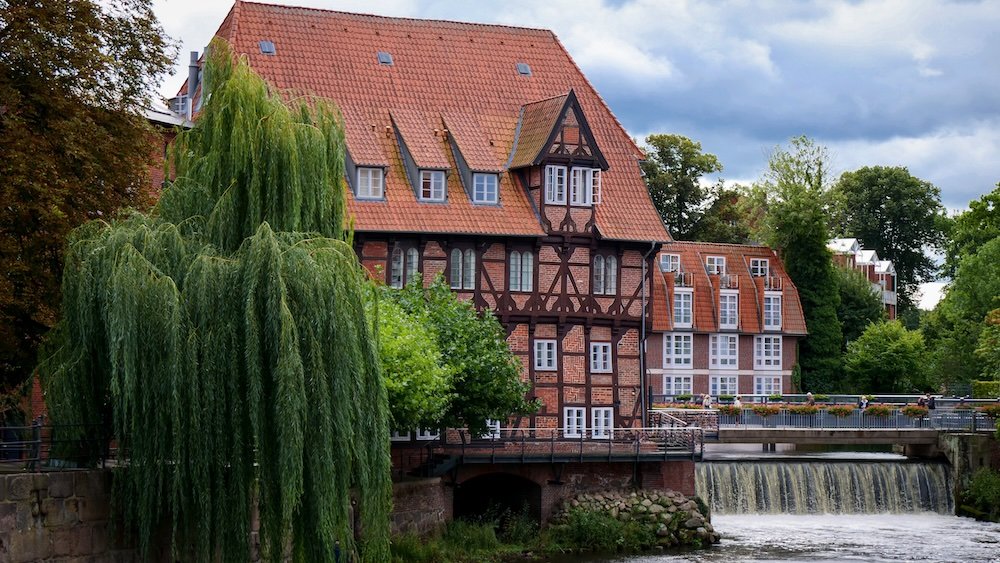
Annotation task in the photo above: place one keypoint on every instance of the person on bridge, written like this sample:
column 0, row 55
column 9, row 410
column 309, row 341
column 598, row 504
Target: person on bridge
column 810, row 400
column 737, row 403
column 706, row 401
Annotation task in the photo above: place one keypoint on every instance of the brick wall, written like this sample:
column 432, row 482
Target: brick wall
column 421, row 507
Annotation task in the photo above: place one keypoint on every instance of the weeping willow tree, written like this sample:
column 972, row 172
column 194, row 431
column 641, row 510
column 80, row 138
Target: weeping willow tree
column 224, row 341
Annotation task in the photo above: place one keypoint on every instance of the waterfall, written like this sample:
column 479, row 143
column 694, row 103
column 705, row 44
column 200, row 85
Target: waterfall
column 769, row 487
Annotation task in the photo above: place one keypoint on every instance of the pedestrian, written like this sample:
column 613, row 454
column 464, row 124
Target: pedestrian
column 810, row 400
column 864, row 402
column 737, row 403
column 706, row 401
column 930, row 402
column 921, row 401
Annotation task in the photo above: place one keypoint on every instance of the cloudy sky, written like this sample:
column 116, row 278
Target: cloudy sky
column 891, row 82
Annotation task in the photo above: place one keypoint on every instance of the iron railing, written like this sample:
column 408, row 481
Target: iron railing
column 39, row 447
column 943, row 420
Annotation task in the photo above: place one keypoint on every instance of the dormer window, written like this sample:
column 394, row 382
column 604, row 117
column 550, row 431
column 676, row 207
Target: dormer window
column 585, row 186
column 555, row 185
column 670, row 262
column 432, row 185
column 759, row 267
column 485, row 188
column 715, row 264
column 370, row 184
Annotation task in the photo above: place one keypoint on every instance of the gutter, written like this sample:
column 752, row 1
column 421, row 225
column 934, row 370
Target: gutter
column 642, row 336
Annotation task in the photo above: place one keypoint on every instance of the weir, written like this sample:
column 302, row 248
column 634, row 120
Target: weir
column 827, row 487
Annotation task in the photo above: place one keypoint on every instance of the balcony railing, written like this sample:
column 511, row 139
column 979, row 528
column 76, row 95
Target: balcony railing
column 729, row 281
column 683, row 279
column 772, row 283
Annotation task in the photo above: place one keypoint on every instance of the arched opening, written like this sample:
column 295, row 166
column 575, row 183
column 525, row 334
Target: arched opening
column 498, row 496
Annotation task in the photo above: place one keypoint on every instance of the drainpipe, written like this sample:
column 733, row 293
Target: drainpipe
column 192, row 83
column 642, row 337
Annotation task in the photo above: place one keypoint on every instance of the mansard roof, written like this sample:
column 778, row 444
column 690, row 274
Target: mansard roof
column 451, row 87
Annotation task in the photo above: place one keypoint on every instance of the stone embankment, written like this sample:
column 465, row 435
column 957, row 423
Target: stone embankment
column 675, row 519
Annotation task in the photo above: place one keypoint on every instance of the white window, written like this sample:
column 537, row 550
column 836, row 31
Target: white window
column 772, row 311
column 767, row 385
column 555, row 184
column 724, row 351
column 759, row 267
column 398, row 436
column 522, row 265
column 715, row 264
column 729, row 307
column 412, row 264
column 484, row 188
column 602, row 420
column 670, row 262
column 463, row 269
column 682, row 309
column 425, row 434
column 574, row 422
column 677, row 384
column 723, row 385
column 677, row 349
column 431, row 185
column 492, row 430
column 600, row 357
column 585, row 185
column 370, row 183
column 545, row 355
column 605, row 275
column 767, row 352
column 396, row 269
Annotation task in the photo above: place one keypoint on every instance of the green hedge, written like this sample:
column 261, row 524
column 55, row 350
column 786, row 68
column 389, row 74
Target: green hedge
column 985, row 389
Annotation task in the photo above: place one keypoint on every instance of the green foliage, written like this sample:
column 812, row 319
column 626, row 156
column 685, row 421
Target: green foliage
column 983, row 492
column 223, row 339
column 486, row 381
column 596, row 531
column 972, row 229
column 74, row 79
column 793, row 193
column 684, row 397
column 840, row 411
column 727, row 218
column 894, row 213
column 859, row 305
column 803, row 409
column 886, row 358
column 774, row 397
column 729, row 410
column 985, row 389
column 673, row 167
column 992, row 411
column 914, row 411
column 765, row 411
column 878, row 410
column 988, row 349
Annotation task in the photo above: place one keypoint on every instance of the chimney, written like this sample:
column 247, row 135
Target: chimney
column 193, row 75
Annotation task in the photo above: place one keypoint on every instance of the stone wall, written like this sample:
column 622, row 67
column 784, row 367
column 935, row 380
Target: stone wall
column 421, row 506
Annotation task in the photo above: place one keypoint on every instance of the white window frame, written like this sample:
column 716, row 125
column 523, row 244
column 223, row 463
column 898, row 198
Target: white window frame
column 760, row 267
column 522, row 270
column 729, row 309
column 723, row 385
column 411, row 264
column 545, row 354
column 599, row 271
column 605, row 270
column 469, row 269
column 683, row 308
column 715, row 264
column 767, row 352
column 485, row 188
column 670, row 262
column 574, row 422
column 435, row 179
column 492, row 430
column 772, row 311
column 398, row 436
column 371, row 184
column 678, row 349
column 600, row 357
column 396, row 268
column 767, row 384
column 602, row 422
column 674, row 384
column 724, row 351
column 425, row 434
column 555, row 185
column 585, row 186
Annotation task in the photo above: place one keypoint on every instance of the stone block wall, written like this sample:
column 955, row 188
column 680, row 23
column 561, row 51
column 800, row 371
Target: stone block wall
column 421, row 506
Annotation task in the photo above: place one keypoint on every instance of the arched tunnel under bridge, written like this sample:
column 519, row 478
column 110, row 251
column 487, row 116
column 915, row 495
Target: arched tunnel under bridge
column 498, row 495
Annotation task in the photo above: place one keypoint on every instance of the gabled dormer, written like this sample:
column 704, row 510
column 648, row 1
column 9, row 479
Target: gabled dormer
column 477, row 158
column 424, row 160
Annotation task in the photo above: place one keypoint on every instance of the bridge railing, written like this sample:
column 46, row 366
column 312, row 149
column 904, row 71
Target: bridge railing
column 945, row 420
column 39, row 447
column 941, row 402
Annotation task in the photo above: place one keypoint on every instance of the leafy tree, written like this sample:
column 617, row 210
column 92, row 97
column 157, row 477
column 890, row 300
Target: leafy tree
column 859, row 305
column 487, row 375
column 886, row 358
column 74, row 77
column 793, row 193
column 894, row 213
column 223, row 338
column 988, row 350
column 725, row 219
column 972, row 229
column 673, row 169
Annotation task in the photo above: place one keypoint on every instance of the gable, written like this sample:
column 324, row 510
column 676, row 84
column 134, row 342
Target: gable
column 555, row 129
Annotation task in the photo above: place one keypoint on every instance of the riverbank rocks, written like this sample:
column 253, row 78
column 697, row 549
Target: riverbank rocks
column 676, row 520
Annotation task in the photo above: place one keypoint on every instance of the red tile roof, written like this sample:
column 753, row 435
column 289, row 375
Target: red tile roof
column 751, row 289
column 445, row 75
column 538, row 119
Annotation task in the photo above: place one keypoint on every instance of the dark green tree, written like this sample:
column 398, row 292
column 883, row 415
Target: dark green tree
column 793, row 194
column 859, row 306
column 224, row 341
column 988, row 349
column 74, row 78
column 896, row 214
column 486, row 380
column 673, row 169
column 973, row 228
column 726, row 219
column 887, row 358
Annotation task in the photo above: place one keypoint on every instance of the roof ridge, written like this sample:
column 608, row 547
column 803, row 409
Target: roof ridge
column 533, row 102
column 377, row 16
column 731, row 244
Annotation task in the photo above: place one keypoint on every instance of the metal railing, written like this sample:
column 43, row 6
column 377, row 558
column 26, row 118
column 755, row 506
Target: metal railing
column 943, row 420
column 941, row 402
column 39, row 447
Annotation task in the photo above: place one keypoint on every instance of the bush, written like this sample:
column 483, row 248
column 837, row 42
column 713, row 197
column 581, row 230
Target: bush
column 775, row 397
column 803, row 409
column 992, row 411
column 983, row 492
column 840, row 411
column 471, row 536
column 766, row 410
column 684, row 397
column 730, row 410
column 985, row 389
column 408, row 548
column 821, row 397
column 878, row 410
column 597, row 531
column 726, row 397
column 914, row 411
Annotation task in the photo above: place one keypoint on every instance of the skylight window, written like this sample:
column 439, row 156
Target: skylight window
column 266, row 47
column 384, row 58
column 523, row 69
